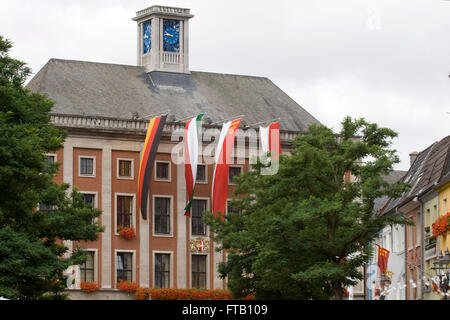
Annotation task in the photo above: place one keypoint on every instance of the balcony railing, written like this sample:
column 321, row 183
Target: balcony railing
column 132, row 125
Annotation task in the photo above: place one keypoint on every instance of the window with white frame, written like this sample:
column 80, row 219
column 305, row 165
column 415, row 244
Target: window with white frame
column 197, row 210
column 89, row 199
column 162, row 215
column 87, row 269
column 234, row 171
column 162, row 171
column 230, row 208
column 51, row 158
column 125, row 168
column 124, row 266
column 86, row 166
column 124, row 210
column 198, row 268
column 201, row 173
column 162, row 270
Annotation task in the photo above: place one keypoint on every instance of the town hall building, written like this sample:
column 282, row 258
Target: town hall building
column 105, row 109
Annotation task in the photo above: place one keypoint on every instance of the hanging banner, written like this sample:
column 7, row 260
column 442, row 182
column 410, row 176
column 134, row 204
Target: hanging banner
column 192, row 139
column 270, row 139
column 154, row 132
column 221, row 170
column 383, row 257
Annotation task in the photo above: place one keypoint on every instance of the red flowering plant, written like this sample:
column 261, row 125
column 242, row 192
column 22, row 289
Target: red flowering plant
column 142, row 293
column 126, row 232
column 127, row 286
column 442, row 225
column 88, row 286
column 191, row 294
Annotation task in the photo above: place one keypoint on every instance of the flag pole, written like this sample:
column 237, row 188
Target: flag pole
column 255, row 124
column 221, row 121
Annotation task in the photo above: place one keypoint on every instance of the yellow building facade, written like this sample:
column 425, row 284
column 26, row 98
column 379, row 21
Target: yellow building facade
column 443, row 190
column 431, row 243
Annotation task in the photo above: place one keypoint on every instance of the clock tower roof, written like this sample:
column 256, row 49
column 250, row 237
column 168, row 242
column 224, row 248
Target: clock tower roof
column 162, row 10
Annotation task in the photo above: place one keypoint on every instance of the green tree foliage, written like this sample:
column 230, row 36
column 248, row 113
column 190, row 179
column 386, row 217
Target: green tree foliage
column 303, row 232
column 32, row 254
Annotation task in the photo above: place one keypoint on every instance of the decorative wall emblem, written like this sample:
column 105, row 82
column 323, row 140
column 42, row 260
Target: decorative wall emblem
column 200, row 245
column 388, row 274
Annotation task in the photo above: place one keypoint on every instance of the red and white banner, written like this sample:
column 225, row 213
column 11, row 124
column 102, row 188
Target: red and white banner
column 270, row 138
column 221, row 170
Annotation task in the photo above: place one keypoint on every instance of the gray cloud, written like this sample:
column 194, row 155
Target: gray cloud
column 387, row 61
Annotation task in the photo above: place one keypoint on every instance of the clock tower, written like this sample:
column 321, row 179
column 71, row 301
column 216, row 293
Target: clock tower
column 163, row 39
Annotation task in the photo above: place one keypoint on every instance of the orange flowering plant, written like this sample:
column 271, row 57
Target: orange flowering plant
column 142, row 293
column 88, row 286
column 442, row 225
column 127, row 286
column 127, row 232
column 186, row 294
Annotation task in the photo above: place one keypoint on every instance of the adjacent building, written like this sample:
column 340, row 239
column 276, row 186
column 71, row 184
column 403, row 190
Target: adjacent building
column 421, row 205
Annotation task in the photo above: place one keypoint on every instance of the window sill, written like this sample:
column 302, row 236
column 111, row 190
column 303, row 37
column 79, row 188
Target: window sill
column 163, row 180
column 125, row 178
column 162, row 235
column 87, row 176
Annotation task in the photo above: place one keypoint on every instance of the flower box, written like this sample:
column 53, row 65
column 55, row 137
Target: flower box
column 127, row 286
column 442, row 225
column 88, row 286
column 127, row 232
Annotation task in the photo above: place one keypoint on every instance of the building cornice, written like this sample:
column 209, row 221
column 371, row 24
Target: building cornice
column 134, row 129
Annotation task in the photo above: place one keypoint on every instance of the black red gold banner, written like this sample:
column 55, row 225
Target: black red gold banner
column 154, row 132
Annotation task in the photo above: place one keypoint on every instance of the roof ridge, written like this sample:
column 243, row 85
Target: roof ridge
column 231, row 74
column 93, row 62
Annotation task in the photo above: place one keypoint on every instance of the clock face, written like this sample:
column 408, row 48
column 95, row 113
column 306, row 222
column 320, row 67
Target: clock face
column 147, row 36
column 171, row 35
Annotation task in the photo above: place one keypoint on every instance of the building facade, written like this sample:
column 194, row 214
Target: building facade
column 105, row 109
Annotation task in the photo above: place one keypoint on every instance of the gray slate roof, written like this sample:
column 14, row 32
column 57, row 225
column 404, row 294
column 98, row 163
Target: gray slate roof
column 391, row 178
column 110, row 90
column 430, row 167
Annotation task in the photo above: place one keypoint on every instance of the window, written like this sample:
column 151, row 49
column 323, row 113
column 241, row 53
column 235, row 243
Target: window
column 418, row 229
column 411, row 281
column 199, row 271
column 230, row 208
column 46, row 207
column 162, row 171
column 51, row 158
column 201, row 173
column 162, row 215
column 124, row 210
column 87, row 166
column 124, row 266
column 87, row 268
column 162, row 270
column 410, row 236
column 234, row 171
column 197, row 225
column 125, row 168
column 89, row 199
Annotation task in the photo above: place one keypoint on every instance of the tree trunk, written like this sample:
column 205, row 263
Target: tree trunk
column 338, row 292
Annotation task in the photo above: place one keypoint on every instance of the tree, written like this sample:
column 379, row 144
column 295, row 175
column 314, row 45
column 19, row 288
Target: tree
column 36, row 214
column 303, row 232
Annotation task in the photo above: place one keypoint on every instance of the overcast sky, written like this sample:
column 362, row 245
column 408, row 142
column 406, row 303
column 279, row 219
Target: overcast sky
column 387, row 61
